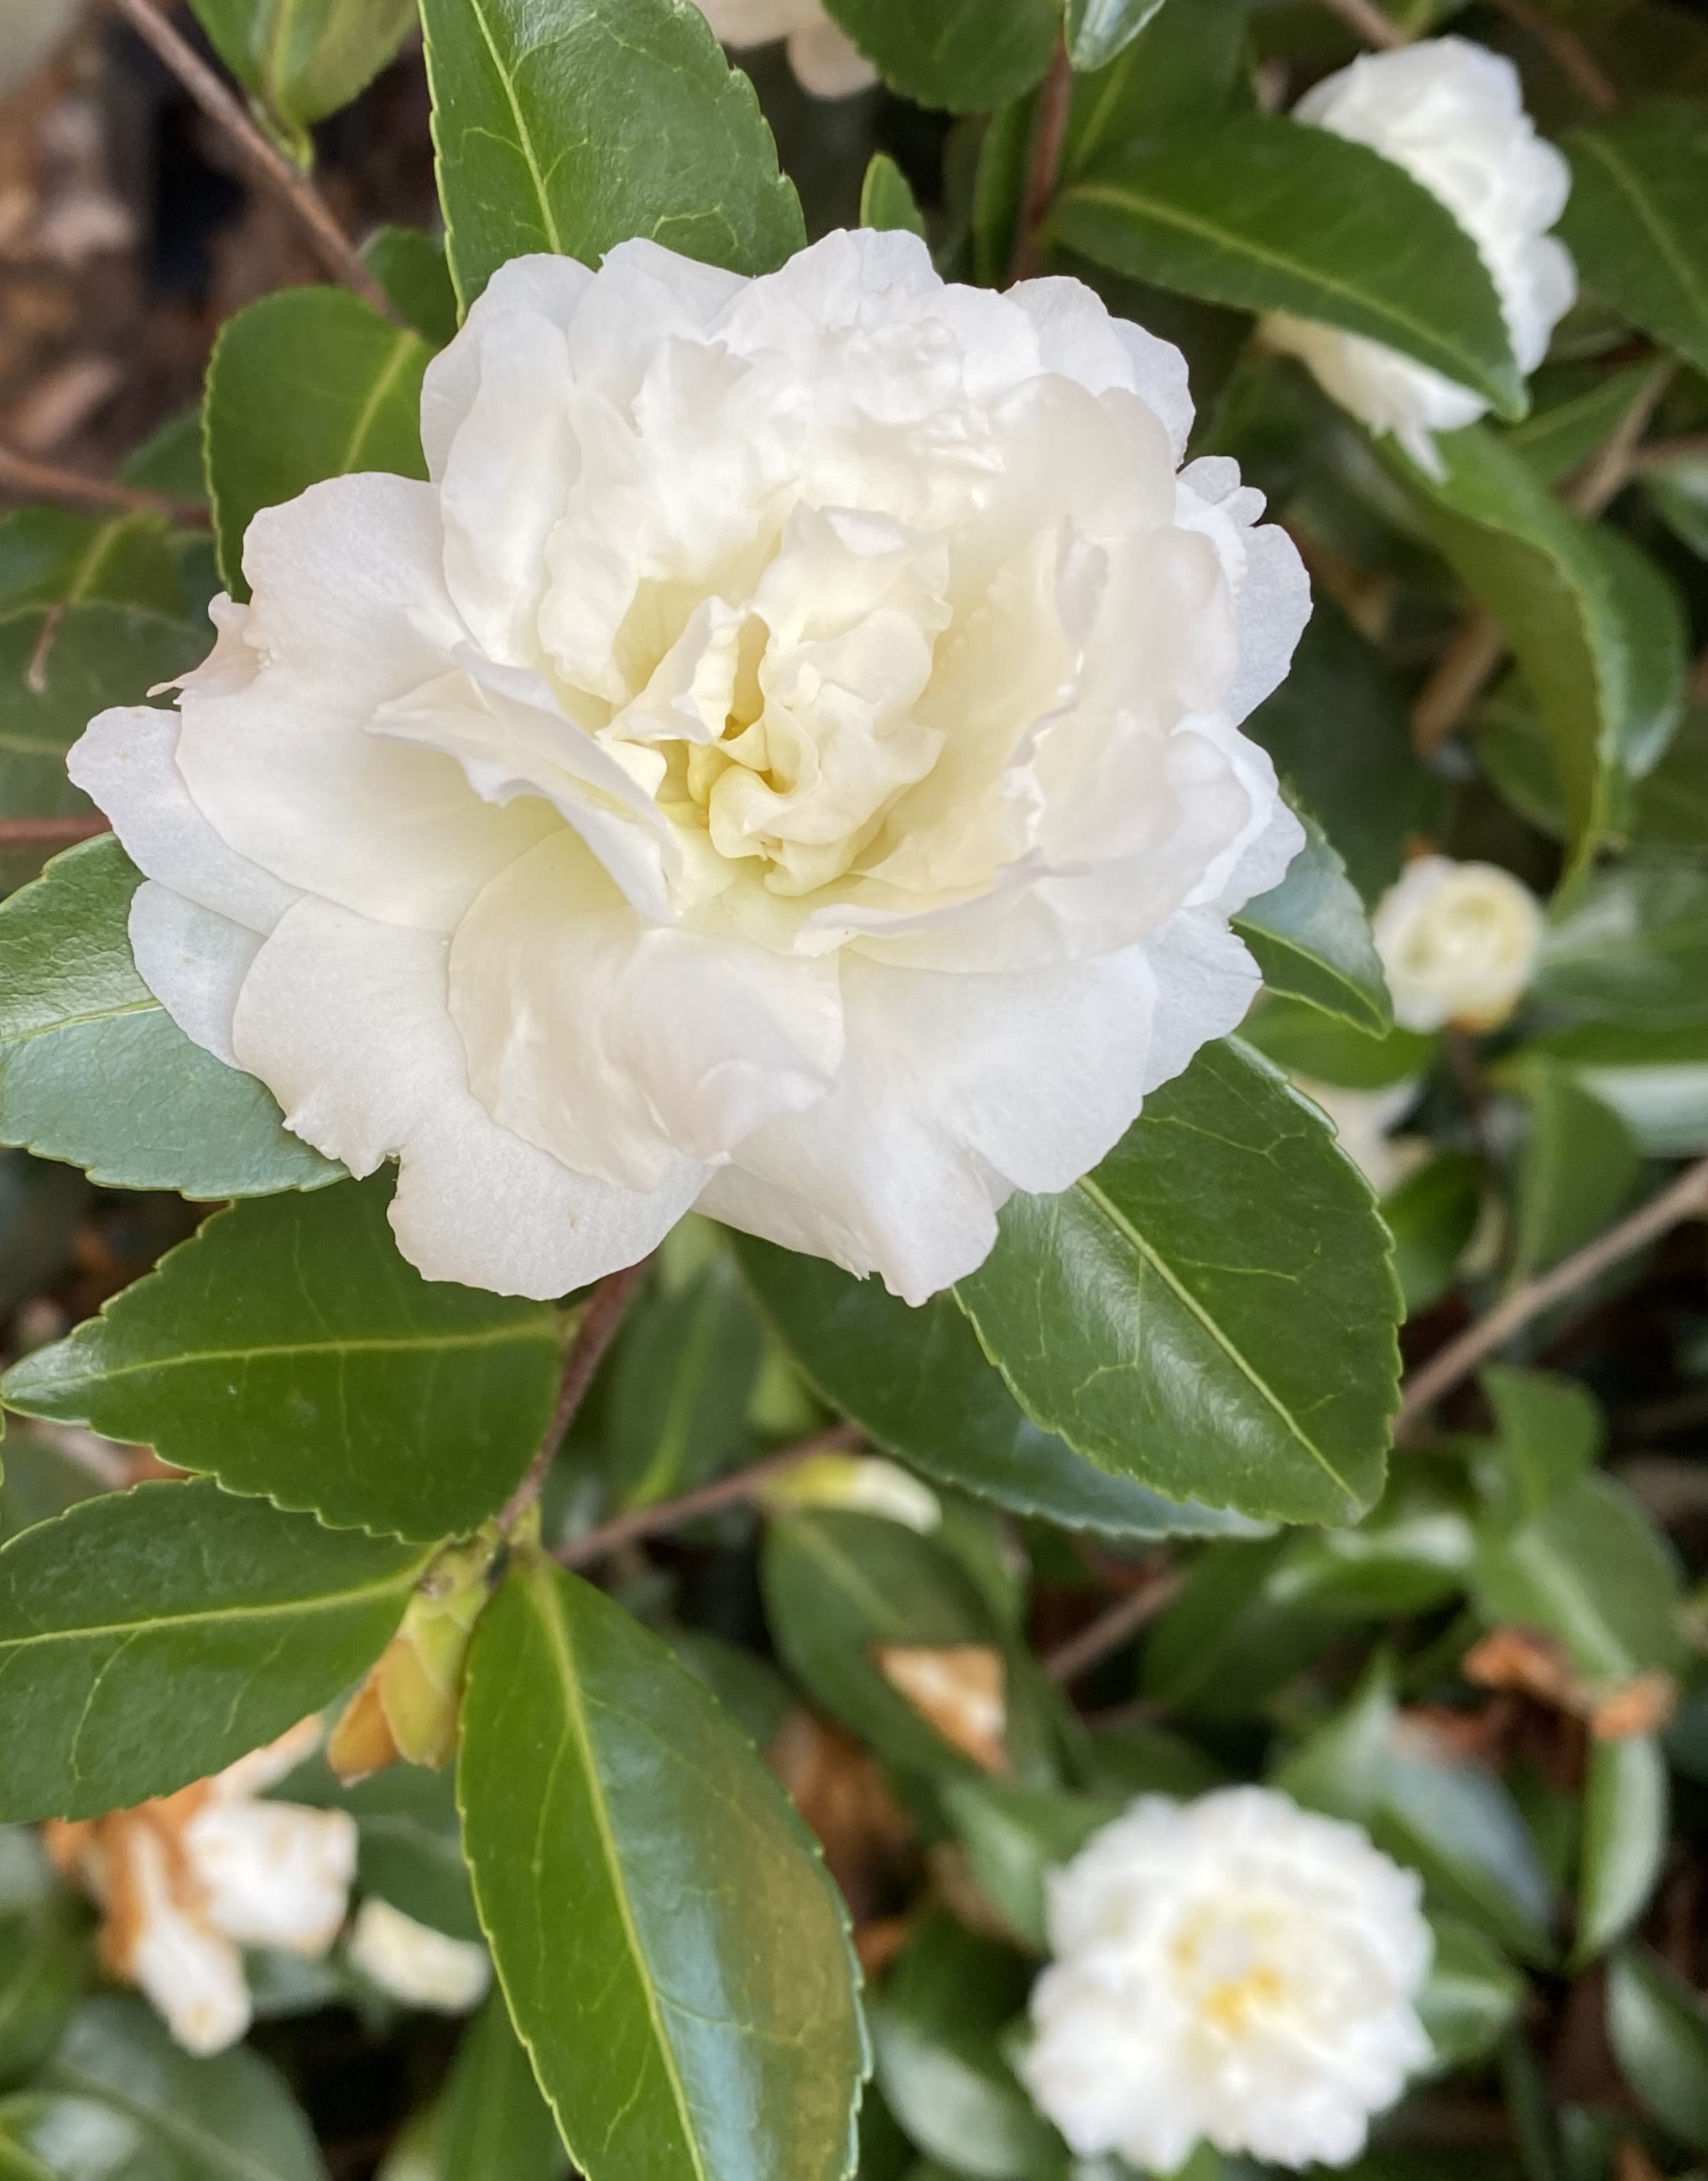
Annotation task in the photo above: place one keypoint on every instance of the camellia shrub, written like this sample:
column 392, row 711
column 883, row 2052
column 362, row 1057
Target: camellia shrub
column 913, row 1002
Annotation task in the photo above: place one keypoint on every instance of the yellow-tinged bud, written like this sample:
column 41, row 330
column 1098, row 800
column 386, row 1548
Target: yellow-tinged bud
column 408, row 1705
column 861, row 1484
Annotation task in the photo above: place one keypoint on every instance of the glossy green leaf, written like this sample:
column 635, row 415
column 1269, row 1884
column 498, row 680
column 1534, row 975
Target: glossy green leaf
column 1097, row 30
column 306, row 384
column 302, row 59
column 411, row 266
column 1669, row 809
column 50, row 557
column 55, row 675
column 1015, row 1836
column 1594, row 625
column 495, row 2125
column 673, row 1953
column 1625, row 1804
column 288, row 1349
column 1560, row 436
column 1409, row 1555
column 942, row 53
column 44, row 1965
column 1311, row 939
column 122, row 2102
column 1472, row 1995
column 1228, row 1642
column 1269, row 216
column 1630, row 946
column 150, row 1637
column 837, row 1585
column 1576, row 1172
column 935, row 2027
column 1432, row 1215
column 680, row 1384
column 1341, row 1766
column 1212, row 1309
column 887, row 198
column 75, row 1019
column 1301, row 1040
column 918, row 1382
column 1591, row 1570
column 1459, row 1826
column 1183, row 72
column 1660, row 2035
column 1549, row 1434
column 548, row 116
column 1633, row 222
column 170, row 459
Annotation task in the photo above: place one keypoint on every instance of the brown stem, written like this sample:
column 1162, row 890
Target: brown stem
column 728, row 1492
column 1662, row 453
column 1110, row 1630
column 604, row 1313
column 269, row 163
column 46, row 481
column 1606, row 476
column 1049, row 137
column 1688, row 1195
column 1366, row 21
column 51, row 832
column 1568, row 53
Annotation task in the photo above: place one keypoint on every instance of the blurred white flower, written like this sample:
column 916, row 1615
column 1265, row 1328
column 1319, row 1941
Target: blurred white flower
column 1235, row 1970
column 1362, row 1121
column 185, row 1883
column 787, row 759
column 862, row 1484
column 1458, row 942
column 1452, row 114
column 824, row 58
column 416, row 1964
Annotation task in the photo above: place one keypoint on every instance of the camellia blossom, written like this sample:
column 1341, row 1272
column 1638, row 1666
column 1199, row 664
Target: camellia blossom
column 186, row 1882
column 1452, row 114
column 415, row 1963
column 785, row 761
column 1234, row 1969
column 1458, row 943
column 826, row 60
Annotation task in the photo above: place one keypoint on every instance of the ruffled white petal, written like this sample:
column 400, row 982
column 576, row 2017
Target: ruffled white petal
column 273, row 1875
column 194, row 962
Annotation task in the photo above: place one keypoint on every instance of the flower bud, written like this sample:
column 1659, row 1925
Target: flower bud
column 826, row 60
column 860, row 1485
column 1458, row 942
column 408, row 1705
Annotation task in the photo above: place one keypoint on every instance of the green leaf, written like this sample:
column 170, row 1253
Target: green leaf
column 1564, row 435
column 1311, row 939
column 1577, row 1170
column 306, row 384
column 411, row 266
column 1591, row 1570
column 1268, row 215
column 152, row 1637
column 1300, row 1041
column 1098, row 29
column 1184, row 71
column 1472, row 1995
column 1340, row 1767
column 944, row 54
column 551, row 119
column 680, row 1383
column 918, row 1382
column 1660, row 2035
column 58, row 667
column 837, row 1585
column 1432, row 1216
column 1633, row 222
column 1410, row 1555
column 1015, row 1836
column 49, row 557
column 887, row 198
column 302, row 59
column 1212, row 1309
column 1624, row 1840
column 43, row 1967
column 1550, row 1433
column 410, row 1847
column 125, row 2104
column 1596, row 628
column 495, row 2125
column 75, row 1019
column 1630, row 946
column 288, row 1349
column 672, row 1952
column 1459, row 1826
column 935, row 2028
column 169, row 459
column 1229, row 1640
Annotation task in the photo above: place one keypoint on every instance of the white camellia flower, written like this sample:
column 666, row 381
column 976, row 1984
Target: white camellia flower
column 1458, row 942
column 826, row 60
column 415, row 1963
column 186, row 1882
column 1235, row 1970
column 1452, row 114
column 785, row 760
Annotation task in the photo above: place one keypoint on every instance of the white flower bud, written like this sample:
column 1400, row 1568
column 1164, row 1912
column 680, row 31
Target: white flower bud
column 416, row 1964
column 785, row 759
column 862, row 1485
column 825, row 59
column 1452, row 114
column 1458, row 942
column 1234, row 1969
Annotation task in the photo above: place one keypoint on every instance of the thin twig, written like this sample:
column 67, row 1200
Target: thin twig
column 1606, row 476
column 51, row 832
column 1110, row 1630
column 600, row 1320
column 47, row 481
column 1567, row 51
column 1688, row 1195
column 728, row 1492
column 1662, row 453
column 1366, row 21
column 269, row 165
column 1049, row 137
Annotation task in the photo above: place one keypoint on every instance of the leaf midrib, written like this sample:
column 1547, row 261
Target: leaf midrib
column 1095, row 1195
column 523, row 136
column 329, row 1601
